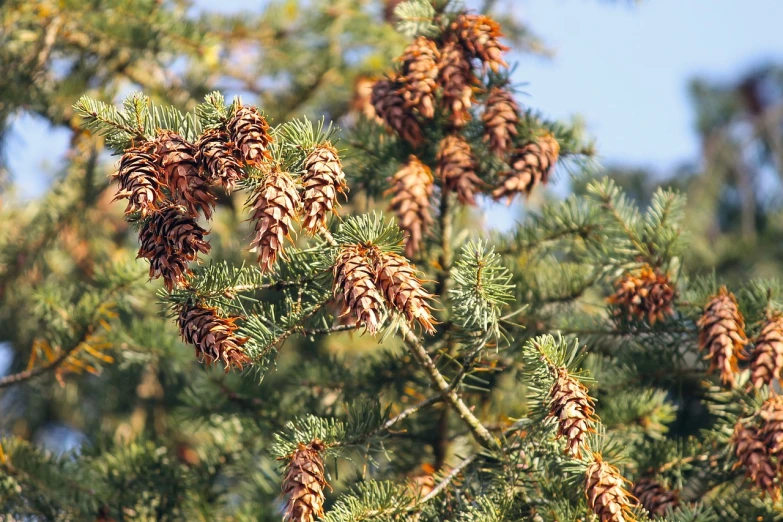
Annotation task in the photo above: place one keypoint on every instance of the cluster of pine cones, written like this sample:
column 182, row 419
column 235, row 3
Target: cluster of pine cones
column 758, row 446
column 169, row 183
column 439, row 77
column 369, row 279
column 722, row 335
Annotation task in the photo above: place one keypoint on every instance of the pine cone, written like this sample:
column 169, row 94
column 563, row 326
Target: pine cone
column 362, row 99
column 500, row 120
column 753, row 455
column 574, row 410
column 722, row 335
column 412, row 189
column 170, row 240
column 274, row 206
column 397, row 280
column 213, row 337
column 419, row 72
column 355, row 281
column 322, row 180
column 647, row 295
column 140, row 179
column 182, row 174
column 654, row 497
column 215, row 155
column 250, row 133
column 456, row 78
column 390, row 106
column 480, row 35
column 606, row 496
column 767, row 358
column 772, row 432
column 457, row 168
column 304, row 484
column 531, row 165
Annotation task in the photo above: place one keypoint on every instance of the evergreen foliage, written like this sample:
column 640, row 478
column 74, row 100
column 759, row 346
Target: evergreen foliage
column 536, row 392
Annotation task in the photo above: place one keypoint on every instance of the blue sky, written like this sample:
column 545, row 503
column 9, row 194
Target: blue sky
column 622, row 67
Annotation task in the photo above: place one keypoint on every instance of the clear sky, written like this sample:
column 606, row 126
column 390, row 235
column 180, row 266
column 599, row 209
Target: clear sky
column 621, row 66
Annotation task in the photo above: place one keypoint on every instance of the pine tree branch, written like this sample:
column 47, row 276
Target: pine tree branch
column 84, row 334
column 450, row 395
column 443, row 484
column 16, row 378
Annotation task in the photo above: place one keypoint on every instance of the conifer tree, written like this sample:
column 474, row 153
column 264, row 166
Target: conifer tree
column 569, row 369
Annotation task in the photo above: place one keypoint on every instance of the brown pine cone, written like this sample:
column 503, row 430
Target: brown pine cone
column 772, row 432
column 606, row 496
column 389, row 105
column 531, row 165
column 457, row 168
column 355, row 282
column 412, row 189
column 722, row 335
column 480, row 35
column 753, row 455
column 250, row 133
column 396, row 278
column 140, row 179
column 767, row 358
column 273, row 209
column 323, row 180
column 215, row 155
column 182, row 174
column 170, row 240
column 456, row 78
column 213, row 337
column 500, row 120
column 647, row 295
column 304, row 484
column 574, row 410
column 419, row 74
column 655, row 497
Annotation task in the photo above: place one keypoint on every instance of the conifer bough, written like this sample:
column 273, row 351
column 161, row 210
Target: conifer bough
column 447, row 108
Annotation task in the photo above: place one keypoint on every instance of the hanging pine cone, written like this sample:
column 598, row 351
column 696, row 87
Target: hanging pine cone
column 767, row 357
column 457, row 168
column 574, row 411
column 647, row 296
column 753, row 456
column 655, row 497
column 140, row 179
column 500, row 120
column 250, row 133
column 323, row 180
column 213, row 337
column 355, row 281
column 412, row 189
column 772, row 432
column 170, row 240
column 182, row 174
column 389, row 105
column 397, row 280
column 480, row 35
column 304, row 484
column 419, row 72
column 273, row 209
column 606, row 496
column 456, row 78
column 531, row 165
column 722, row 335
column 215, row 155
